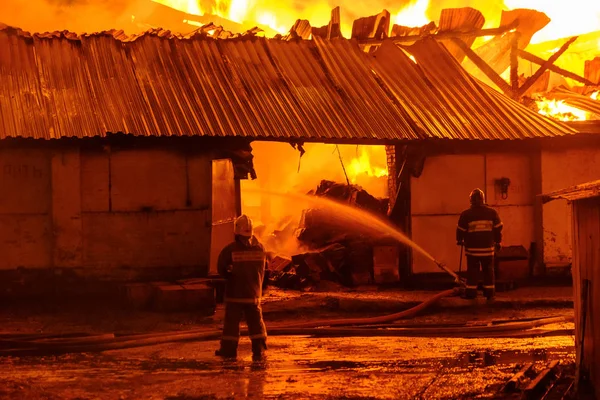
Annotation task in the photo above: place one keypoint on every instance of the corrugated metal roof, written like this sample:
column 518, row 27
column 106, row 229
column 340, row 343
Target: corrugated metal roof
column 450, row 103
column 583, row 191
column 158, row 84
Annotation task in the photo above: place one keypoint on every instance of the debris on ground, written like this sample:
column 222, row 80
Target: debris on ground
column 334, row 253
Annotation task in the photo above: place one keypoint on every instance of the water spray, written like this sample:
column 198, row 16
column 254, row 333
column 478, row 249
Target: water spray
column 367, row 221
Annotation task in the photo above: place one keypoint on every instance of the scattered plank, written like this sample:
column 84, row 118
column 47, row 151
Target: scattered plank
column 514, row 382
column 532, row 79
column 541, row 380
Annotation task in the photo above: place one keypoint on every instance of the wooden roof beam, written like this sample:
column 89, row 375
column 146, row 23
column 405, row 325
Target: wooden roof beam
column 485, row 67
column 567, row 74
column 543, row 68
column 448, row 35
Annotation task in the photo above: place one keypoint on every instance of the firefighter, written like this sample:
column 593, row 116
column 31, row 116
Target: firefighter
column 480, row 231
column 242, row 263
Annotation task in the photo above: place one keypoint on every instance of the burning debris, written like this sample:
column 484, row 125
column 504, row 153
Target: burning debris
column 334, row 252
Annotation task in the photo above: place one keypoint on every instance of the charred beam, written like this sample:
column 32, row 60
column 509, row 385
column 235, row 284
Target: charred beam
column 543, row 68
column 567, row 74
column 449, row 34
column 514, row 63
column 483, row 66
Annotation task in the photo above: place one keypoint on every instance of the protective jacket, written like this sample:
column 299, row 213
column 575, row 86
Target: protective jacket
column 480, row 228
column 243, row 265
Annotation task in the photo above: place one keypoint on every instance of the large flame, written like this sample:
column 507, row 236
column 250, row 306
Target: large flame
column 558, row 109
column 568, row 18
column 363, row 165
column 280, row 18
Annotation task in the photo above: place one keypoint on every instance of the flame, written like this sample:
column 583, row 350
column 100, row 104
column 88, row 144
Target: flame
column 414, row 14
column 269, row 19
column 188, row 6
column 362, row 165
column 557, row 109
column 568, row 18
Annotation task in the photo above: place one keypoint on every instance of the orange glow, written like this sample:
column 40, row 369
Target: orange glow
column 362, row 164
column 568, row 18
column 557, row 109
column 188, row 6
column 413, row 15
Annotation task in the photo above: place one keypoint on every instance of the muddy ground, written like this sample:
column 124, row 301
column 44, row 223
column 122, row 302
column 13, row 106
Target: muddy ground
column 296, row 367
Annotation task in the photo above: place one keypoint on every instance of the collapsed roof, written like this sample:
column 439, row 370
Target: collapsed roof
column 62, row 85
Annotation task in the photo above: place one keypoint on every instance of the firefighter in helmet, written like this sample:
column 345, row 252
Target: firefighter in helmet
column 480, row 231
column 242, row 263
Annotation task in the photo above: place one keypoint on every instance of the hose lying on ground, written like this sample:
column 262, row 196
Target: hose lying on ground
column 511, row 330
column 15, row 347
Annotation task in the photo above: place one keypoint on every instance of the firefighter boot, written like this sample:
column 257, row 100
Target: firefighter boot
column 228, row 349
column 258, row 349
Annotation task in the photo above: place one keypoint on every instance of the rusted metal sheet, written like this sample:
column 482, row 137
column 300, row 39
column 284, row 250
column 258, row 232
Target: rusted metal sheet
column 578, row 192
column 160, row 84
column 373, row 27
column 448, row 102
column 592, row 70
column 460, row 20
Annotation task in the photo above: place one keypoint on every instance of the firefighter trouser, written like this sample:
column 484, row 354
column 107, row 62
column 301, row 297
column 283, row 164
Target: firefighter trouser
column 474, row 265
column 231, row 327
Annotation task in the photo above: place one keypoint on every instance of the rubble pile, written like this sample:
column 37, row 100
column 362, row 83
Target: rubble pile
column 336, row 253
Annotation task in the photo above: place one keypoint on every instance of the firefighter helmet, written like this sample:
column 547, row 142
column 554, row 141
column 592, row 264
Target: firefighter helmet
column 243, row 226
column 477, row 197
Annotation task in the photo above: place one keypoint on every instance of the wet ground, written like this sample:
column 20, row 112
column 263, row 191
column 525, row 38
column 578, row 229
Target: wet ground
column 296, row 368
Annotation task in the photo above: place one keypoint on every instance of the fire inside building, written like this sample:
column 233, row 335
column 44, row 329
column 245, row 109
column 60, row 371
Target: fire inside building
column 347, row 153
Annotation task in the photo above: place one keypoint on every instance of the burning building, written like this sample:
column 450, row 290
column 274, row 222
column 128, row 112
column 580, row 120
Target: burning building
column 128, row 136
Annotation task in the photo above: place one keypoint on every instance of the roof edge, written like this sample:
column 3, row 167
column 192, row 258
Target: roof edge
column 578, row 192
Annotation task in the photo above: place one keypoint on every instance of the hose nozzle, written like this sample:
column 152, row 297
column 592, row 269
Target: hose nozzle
column 457, row 279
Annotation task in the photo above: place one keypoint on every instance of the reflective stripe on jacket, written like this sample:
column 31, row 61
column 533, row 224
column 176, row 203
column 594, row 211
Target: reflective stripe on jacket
column 480, row 228
column 243, row 265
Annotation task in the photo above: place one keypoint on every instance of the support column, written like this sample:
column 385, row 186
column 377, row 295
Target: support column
column 66, row 208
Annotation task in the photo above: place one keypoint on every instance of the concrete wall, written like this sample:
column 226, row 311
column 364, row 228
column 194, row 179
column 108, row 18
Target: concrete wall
column 563, row 168
column 107, row 213
column 441, row 193
column 25, row 209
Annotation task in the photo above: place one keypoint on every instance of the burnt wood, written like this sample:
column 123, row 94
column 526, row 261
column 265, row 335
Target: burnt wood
column 532, row 79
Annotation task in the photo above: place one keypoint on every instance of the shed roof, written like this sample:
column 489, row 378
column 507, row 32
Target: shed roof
column 157, row 84
column 578, row 192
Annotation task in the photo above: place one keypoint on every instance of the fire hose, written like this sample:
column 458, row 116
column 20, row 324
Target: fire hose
column 16, row 347
column 363, row 327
